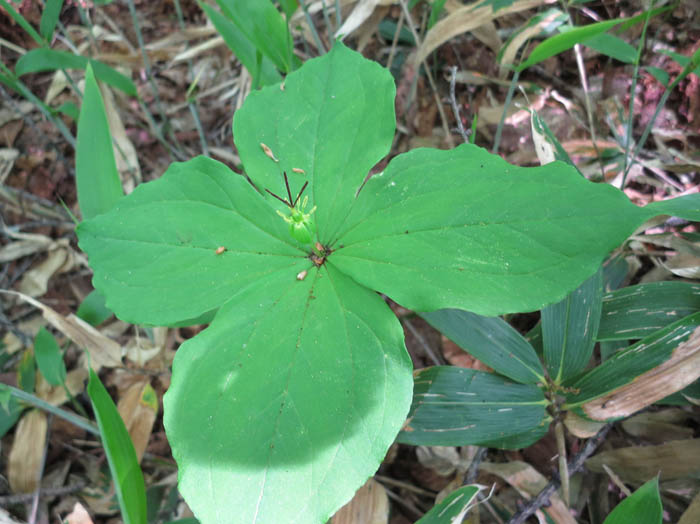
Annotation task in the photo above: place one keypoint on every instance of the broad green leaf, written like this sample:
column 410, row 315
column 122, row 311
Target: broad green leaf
column 569, row 329
column 264, row 73
column 334, row 121
column 628, row 365
column 288, row 402
column 97, row 178
column 49, row 358
column 491, row 340
column 465, row 231
column 126, row 473
column 263, row 25
column 49, row 18
column 453, row 508
column 45, row 59
column 155, row 254
column 612, row 46
column 641, row 507
column 637, row 311
column 93, row 309
column 454, row 406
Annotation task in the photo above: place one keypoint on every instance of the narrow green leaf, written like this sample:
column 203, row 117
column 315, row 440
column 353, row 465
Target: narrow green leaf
column 334, row 121
column 238, row 43
column 70, row 109
column 45, row 59
column 111, row 76
column 541, row 127
column 93, row 309
column 453, row 508
column 126, row 473
column 289, row 401
column 638, row 311
column 687, row 206
column 628, row 364
column 460, row 234
column 289, row 7
column 264, row 26
column 9, row 414
column 22, row 22
column 641, row 507
column 97, row 178
column 455, row 406
column 659, row 74
column 566, row 40
column 49, row 358
column 26, row 371
column 155, row 254
column 612, row 46
column 569, row 329
column 491, row 340
column 49, row 18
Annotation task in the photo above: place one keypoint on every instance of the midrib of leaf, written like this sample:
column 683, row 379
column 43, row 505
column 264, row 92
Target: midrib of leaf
column 565, row 341
column 538, row 375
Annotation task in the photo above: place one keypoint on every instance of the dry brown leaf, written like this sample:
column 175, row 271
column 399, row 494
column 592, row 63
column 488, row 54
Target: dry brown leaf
column 6, row 518
column 692, row 514
column 684, row 265
column 104, row 351
column 138, row 407
column 25, row 460
column 60, row 259
column 529, row 482
column 543, row 147
column 468, row 18
column 443, row 460
column 25, row 244
column 370, row 505
column 511, row 50
column 580, row 427
column 124, row 150
column 659, row 426
column 56, row 395
column 8, row 156
column 79, row 515
column 680, row 370
column 362, row 11
column 637, row 464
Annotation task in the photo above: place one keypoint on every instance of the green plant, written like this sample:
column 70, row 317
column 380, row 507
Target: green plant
column 288, row 402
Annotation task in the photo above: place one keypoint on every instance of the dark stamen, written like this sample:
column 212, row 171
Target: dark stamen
column 279, row 198
column 300, row 192
column 286, row 183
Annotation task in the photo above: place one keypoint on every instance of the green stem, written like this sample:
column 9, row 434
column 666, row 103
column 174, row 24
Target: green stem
column 633, row 90
column 42, row 404
column 506, row 105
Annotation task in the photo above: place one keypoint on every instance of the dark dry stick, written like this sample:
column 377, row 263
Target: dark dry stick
column 21, row 498
column 575, row 465
column 473, row 469
column 455, row 107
